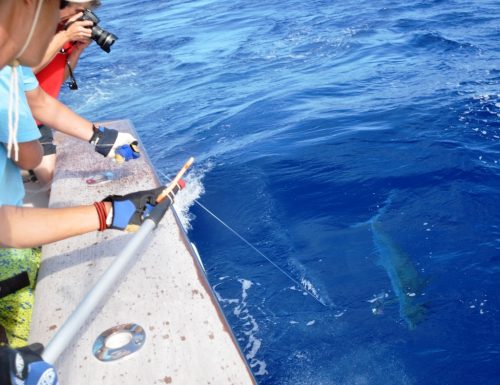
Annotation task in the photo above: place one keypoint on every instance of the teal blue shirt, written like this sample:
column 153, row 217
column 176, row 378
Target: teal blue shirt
column 11, row 184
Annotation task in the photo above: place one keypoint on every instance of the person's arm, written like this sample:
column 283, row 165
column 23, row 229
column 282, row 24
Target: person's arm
column 77, row 31
column 30, row 155
column 55, row 114
column 24, row 227
column 108, row 142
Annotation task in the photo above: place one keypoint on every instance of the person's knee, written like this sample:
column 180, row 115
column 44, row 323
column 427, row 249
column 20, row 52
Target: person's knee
column 45, row 171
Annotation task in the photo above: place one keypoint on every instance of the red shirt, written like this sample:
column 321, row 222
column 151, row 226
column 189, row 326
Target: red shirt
column 51, row 77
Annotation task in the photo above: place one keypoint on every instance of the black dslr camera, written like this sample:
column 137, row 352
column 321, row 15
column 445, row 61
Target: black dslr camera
column 104, row 39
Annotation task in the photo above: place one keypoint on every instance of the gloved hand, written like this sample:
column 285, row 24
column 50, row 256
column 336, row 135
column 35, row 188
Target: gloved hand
column 129, row 211
column 24, row 366
column 107, row 141
column 127, row 152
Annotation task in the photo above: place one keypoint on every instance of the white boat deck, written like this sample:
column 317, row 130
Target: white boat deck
column 188, row 340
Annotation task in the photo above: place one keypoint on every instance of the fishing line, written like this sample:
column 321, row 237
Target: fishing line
column 305, row 290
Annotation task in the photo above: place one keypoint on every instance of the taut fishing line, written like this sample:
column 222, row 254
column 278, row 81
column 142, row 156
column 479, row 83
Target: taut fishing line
column 305, row 290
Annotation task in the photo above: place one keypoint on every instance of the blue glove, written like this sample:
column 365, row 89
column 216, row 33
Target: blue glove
column 127, row 152
column 25, row 366
column 107, row 141
column 129, row 211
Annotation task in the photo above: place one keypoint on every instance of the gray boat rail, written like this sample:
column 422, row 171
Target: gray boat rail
column 165, row 294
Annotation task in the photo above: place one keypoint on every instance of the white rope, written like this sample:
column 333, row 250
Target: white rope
column 33, row 27
column 13, row 114
column 286, row 274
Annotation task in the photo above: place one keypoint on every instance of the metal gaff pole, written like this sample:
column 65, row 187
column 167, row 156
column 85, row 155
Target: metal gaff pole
column 79, row 316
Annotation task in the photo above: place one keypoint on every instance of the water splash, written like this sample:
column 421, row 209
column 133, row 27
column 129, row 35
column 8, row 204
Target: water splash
column 249, row 328
column 194, row 190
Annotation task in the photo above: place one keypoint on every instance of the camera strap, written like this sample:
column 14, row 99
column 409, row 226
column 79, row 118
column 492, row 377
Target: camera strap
column 73, row 85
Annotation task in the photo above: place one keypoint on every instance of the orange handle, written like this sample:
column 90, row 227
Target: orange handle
column 176, row 180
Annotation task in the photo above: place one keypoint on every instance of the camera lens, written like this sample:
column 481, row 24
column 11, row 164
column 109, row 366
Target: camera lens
column 104, row 39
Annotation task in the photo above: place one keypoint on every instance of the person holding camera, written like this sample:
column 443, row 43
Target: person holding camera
column 26, row 27
column 72, row 36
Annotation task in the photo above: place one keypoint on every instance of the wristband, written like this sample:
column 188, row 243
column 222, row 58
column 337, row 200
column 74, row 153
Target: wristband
column 101, row 214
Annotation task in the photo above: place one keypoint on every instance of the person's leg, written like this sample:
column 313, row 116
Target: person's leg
column 45, row 171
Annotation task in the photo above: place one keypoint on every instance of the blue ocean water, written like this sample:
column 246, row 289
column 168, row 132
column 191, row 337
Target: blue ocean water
column 356, row 145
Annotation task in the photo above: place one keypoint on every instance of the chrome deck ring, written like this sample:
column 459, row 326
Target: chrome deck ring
column 118, row 342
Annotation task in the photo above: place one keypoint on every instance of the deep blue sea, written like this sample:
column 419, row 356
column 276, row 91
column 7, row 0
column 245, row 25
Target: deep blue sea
column 355, row 144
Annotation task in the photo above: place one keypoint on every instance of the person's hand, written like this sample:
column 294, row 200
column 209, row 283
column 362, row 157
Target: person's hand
column 80, row 46
column 129, row 211
column 79, row 30
column 116, row 145
column 25, row 366
column 127, row 152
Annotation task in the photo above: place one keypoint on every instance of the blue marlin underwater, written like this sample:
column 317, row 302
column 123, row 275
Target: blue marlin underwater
column 407, row 284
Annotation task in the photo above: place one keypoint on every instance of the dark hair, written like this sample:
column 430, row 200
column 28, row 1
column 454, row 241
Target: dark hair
column 93, row 3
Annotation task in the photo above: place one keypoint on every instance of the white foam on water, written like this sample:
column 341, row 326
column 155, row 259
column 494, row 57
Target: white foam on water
column 309, row 286
column 193, row 191
column 340, row 313
column 249, row 328
column 479, row 304
column 306, row 285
